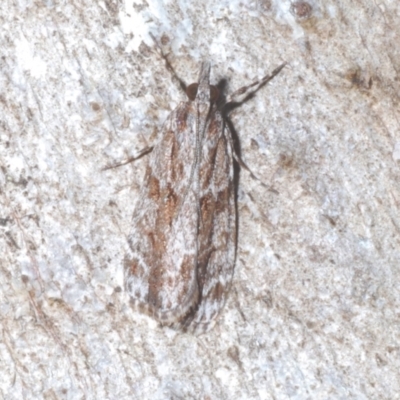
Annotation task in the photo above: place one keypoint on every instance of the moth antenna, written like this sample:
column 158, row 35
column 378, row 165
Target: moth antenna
column 245, row 93
column 175, row 78
column 143, row 152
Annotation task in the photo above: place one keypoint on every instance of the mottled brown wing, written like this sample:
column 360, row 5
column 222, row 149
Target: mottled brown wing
column 161, row 266
column 217, row 227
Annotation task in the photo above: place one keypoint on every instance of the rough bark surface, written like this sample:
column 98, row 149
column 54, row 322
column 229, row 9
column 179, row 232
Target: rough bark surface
column 315, row 304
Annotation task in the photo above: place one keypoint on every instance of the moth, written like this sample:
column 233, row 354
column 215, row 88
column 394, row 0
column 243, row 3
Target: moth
column 182, row 245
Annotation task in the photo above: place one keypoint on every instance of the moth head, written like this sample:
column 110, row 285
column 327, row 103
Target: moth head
column 191, row 92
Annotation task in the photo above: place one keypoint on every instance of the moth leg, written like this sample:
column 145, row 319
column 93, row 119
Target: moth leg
column 235, row 100
column 237, row 157
column 170, row 68
column 143, row 152
column 240, row 96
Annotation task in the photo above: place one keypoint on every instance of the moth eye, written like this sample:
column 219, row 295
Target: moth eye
column 214, row 93
column 191, row 92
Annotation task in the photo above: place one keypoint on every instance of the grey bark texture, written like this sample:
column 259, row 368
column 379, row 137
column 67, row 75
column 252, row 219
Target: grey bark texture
column 314, row 308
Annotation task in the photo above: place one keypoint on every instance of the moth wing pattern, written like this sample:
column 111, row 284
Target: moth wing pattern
column 161, row 264
column 217, row 243
column 183, row 241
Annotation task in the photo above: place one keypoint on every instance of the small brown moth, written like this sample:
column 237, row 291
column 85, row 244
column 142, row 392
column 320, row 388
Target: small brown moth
column 183, row 240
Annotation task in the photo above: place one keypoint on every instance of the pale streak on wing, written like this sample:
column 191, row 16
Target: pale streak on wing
column 217, row 235
column 161, row 266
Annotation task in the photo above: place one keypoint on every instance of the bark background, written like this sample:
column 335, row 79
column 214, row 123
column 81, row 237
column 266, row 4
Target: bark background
column 315, row 304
